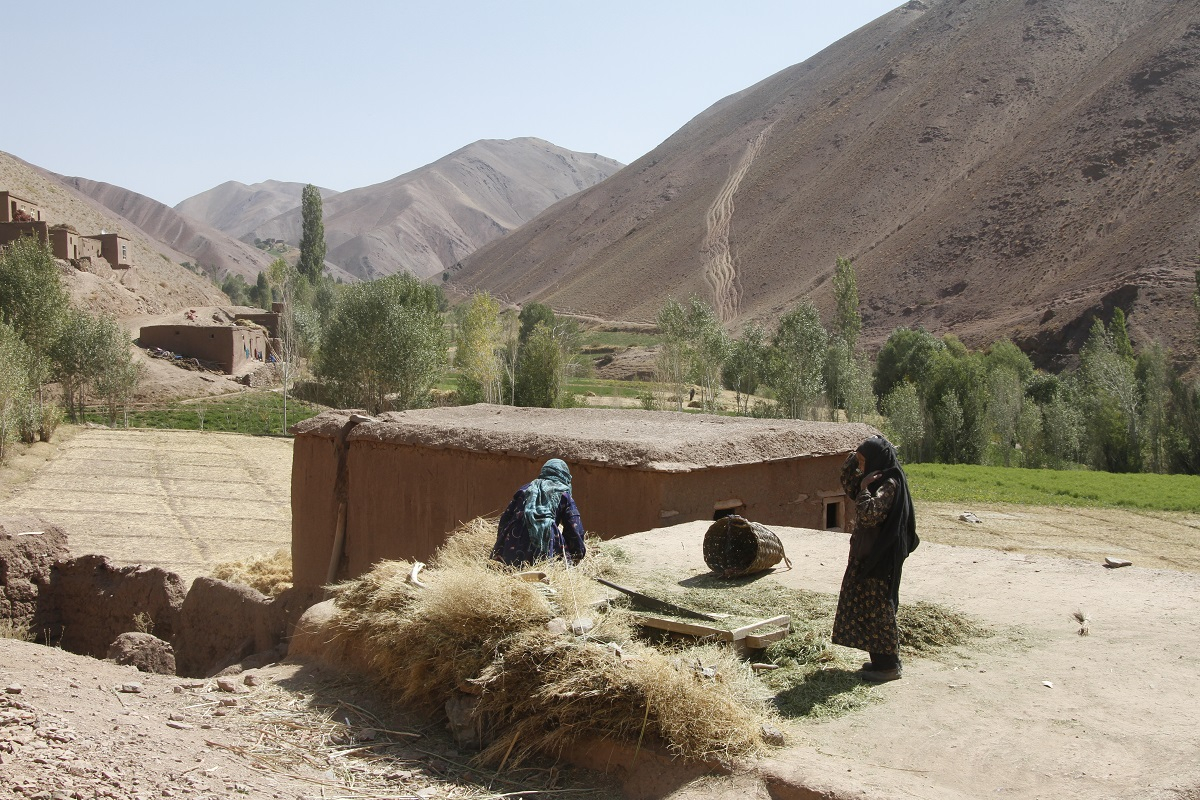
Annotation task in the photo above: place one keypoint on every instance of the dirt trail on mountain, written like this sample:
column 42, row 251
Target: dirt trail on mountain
column 720, row 272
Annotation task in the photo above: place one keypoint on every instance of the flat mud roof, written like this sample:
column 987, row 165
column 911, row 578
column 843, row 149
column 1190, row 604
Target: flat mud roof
column 667, row 441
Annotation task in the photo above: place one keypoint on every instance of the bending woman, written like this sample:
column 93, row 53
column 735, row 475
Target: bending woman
column 884, row 534
column 542, row 521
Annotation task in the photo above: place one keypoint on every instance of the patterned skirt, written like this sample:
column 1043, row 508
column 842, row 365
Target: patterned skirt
column 866, row 618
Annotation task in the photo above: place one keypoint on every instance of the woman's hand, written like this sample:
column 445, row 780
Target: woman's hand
column 869, row 478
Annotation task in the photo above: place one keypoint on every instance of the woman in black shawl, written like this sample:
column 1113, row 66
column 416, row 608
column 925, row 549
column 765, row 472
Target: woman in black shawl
column 884, row 534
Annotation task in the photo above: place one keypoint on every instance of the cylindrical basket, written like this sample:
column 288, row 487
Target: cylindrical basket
column 735, row 546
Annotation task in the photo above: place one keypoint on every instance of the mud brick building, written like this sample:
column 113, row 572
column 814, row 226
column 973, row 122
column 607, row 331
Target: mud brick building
column 408, row 478
column 229, row 346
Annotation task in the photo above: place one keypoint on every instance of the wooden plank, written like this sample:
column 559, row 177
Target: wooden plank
column 740, row 633
column 759, row 641
column 675, row 626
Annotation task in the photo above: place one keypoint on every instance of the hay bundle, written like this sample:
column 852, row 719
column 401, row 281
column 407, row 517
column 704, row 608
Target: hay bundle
column 270, row 575
column 477, row 629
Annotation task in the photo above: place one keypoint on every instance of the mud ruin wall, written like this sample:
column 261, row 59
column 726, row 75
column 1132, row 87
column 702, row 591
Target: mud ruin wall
column 402, row 496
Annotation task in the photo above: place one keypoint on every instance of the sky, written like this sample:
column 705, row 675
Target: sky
column 170, row 98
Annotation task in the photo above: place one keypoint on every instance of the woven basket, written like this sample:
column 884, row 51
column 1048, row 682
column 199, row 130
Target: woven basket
column 735, row 546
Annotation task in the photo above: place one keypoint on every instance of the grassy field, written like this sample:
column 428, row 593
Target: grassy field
column 619, row 339
column 608, row 388
column 967, row 483
column 257, row 413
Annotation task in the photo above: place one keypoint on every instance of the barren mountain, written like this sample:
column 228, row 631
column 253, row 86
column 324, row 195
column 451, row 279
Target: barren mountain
column 156, row 284
column 993, row 168
column 217, row 252
column 237, row 209
column 427, row 220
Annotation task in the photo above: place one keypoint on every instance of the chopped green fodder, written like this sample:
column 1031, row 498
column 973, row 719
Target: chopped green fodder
column 815, row 680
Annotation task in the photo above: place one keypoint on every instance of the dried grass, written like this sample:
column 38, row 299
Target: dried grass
column 270, row 575
column 476, row 628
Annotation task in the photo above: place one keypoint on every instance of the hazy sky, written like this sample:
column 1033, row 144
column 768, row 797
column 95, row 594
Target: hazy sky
column 170, row 98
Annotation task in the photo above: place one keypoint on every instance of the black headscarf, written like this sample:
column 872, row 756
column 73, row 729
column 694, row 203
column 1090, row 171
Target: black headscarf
column 897, row 535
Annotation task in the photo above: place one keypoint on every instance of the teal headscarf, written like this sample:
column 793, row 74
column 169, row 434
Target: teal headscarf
column 541, row 504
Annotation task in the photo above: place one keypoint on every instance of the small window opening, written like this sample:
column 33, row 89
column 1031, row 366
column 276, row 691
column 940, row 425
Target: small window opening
column 833, row 515
column 727, row 508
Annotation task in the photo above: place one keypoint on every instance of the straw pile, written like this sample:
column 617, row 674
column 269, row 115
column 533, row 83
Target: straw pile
column 268, row 574
column 477, row 629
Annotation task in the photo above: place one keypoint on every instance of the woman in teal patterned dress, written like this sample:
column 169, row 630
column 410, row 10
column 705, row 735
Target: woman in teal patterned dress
column 884, row 534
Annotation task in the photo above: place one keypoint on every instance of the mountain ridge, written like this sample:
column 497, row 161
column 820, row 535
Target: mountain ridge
column 992, row 168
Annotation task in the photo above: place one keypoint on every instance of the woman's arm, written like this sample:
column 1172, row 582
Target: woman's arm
column 572, row 527
column 873, row 506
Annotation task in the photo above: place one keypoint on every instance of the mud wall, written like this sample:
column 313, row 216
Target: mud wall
column 96, row 601
column 402, row 499
column 29, row 548
column 228, row 346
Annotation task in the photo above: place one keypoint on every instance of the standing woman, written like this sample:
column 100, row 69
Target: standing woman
column 885, row 532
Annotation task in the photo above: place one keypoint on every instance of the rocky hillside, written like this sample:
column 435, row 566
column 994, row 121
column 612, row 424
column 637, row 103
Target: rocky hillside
column 237, row 209
column 217, row 252
column 157, row 283
column 428, row 220
column 993, row 168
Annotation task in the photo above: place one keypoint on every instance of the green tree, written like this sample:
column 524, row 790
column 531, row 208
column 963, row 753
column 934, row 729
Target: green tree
column 1120, row 335
column 312, row 235
column 744, row 368
column 1005, row 404
column 1154, row 375
column 543, row 366
column 16, row 393
column 848, row 323
column 708, row 351
column 949, row 429
column 260, row 293
column 90, row 351
column 907, row 355
column 675, row 352
column 533, row 313
column 1110, row 393
column 385, row 345
column 33, row 302
column 797, row 360
column 236, row 289
column 477, row 349
column 905, row 424
column 1062, row 431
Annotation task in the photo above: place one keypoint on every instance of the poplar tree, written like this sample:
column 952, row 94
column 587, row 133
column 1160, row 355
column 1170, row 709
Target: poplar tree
column 848, row 323
column 312, row 237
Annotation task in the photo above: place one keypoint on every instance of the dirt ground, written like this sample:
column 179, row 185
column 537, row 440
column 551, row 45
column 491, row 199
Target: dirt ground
column 1035, row 711
column 1116, row 719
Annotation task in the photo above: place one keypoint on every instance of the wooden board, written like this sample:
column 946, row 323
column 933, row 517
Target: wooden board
column 745, row 633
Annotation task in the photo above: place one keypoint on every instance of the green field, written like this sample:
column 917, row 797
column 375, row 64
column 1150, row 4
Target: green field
column 967, row 483
column 608, row 388
column 619, row 339
column 256, row 413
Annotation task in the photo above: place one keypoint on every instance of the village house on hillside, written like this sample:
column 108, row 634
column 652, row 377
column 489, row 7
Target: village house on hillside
column 228, row 346
column 401, row 482
column 20, row 217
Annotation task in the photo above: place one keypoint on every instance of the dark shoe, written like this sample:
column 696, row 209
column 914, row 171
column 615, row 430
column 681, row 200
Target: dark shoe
column 882, row 675
column 869, row 667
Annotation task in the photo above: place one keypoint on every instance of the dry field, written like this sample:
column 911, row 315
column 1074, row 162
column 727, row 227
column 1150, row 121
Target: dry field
column 181, row 500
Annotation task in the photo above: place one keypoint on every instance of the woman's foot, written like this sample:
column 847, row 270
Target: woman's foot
column 880, row 675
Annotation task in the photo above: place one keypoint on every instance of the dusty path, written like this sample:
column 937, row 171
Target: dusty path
column 181, row 500
column 720, row 273
column 1116, row 721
